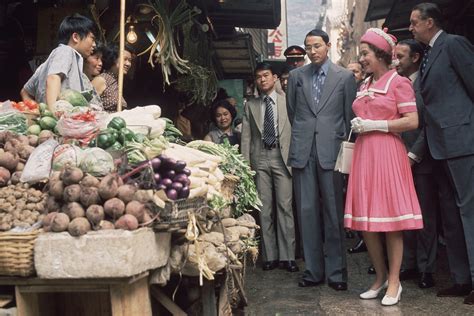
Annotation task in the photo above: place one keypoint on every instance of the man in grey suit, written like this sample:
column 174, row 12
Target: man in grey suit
column 319, row 101
column 446, row 85
column 265, row 141
column 419, row 246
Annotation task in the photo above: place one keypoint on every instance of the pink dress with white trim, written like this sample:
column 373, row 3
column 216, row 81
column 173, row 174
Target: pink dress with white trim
column 381, row 195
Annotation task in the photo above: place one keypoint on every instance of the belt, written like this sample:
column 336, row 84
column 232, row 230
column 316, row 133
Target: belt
column 270, row 147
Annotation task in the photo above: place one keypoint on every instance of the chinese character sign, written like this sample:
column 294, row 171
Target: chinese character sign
column 278, row 38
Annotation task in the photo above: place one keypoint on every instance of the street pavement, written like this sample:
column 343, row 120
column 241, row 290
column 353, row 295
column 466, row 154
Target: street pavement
column 276, row 292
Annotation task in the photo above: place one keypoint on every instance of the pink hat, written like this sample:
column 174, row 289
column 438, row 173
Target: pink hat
column 380, row 39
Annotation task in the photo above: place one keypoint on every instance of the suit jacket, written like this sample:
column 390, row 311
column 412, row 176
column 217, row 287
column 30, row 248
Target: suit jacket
column 252, row 129
column 329, row 122
column 415, row 140
column 447, row 89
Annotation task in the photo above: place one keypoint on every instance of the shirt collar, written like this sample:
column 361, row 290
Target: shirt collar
column 434, row 38
column 413, row 76
column 75, row 51
column 272, row 95
column 324, row 67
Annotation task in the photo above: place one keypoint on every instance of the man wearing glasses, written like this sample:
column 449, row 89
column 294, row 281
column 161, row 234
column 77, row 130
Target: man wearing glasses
column 319, row 102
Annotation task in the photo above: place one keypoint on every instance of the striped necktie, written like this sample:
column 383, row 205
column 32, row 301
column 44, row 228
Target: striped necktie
column 269, row 136
column 318, row 86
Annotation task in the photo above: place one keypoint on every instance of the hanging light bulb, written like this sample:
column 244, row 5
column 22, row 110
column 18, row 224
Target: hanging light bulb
column 131, row 35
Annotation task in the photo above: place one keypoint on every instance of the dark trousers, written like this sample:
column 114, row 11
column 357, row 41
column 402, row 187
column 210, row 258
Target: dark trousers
column 420, row 246
column 455, row 178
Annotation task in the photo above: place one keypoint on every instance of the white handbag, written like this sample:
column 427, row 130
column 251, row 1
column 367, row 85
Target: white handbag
column 344, row 157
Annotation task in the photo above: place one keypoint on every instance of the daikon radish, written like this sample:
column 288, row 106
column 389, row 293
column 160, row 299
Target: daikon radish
column 198, row 153
column 196, row 182
column 212, row 180
column 196, row 172
column 201, row 191
column 218, row 174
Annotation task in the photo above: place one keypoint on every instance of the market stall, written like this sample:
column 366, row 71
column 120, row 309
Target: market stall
column 111, row 206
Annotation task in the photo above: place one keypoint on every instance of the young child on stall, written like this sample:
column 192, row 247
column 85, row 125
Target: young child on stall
column 63, row 68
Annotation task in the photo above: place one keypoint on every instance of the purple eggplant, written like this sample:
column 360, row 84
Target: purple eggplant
column 181, row 177
column 177, row 186
column 157, row 177
column 167, row 162
column 184, row 193
column 172, row 194
column 160, row 187
column 186, row 171
column 170, row 174
column 155, row 163
column 179, row 166
column 166, row 182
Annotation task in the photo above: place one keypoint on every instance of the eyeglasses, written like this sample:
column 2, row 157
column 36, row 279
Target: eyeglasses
column 309, row 48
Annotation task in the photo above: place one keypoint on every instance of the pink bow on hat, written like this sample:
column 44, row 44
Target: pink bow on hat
column 380, row 39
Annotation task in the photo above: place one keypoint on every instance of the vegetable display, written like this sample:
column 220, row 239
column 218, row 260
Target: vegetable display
column 245, row 195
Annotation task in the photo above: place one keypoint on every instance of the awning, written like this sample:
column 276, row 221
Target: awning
column 378, row 9
column 235, row 57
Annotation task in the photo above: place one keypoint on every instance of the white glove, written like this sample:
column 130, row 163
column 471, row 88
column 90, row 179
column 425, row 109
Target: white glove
column 359, row 125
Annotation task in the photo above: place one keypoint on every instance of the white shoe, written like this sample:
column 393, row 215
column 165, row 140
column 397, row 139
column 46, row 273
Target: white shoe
column 370, row 294
column 388, row 300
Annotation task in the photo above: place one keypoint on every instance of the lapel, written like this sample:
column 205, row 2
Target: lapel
column 282, row 114
column 255, row 108
column 435, row 50
column 307, row 82
column 329, row 85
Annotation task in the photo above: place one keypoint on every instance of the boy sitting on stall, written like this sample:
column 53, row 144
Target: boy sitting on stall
column 63, row 68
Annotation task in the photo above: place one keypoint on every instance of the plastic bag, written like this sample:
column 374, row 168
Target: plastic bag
column 97, row 162
column 81, row 126
column 38, row 166
column 11, row 119
column 66, row 155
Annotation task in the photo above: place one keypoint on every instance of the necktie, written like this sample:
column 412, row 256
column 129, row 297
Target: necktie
column 425, row 59
column 269, row 136
column 318, row 86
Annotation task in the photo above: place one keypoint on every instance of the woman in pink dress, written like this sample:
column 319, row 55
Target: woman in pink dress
column 381, row 196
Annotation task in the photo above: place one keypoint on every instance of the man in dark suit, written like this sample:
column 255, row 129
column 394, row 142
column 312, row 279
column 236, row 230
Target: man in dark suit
column 265, row 141
column 319, row 101
column 446, row 85
column 419, row 246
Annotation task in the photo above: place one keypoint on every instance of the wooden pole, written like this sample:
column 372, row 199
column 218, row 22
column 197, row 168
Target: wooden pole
column 122, row 47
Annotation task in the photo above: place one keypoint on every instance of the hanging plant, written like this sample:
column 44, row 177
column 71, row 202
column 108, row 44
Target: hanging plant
column 164, row 49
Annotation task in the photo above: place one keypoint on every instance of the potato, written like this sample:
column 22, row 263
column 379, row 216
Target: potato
column 89, row 181
column 9, row 160
column 136, row 209
column 103, row 225
column 89, row 196
column 126, row 192
column 95, row 214
column 72, row 193
column 127, row 222
column 4, row 176
column 52, row 205
column 56, row 189
column 71, row 175
column 73, row 210
column 33, row 140
column 60, row 223
column 114, row 208
column 108, row 187
column 79, row 226
column 15, row 178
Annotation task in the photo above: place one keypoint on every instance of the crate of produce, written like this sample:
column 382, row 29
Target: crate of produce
column 17, row 253
column 100, row 254
column 175, row 213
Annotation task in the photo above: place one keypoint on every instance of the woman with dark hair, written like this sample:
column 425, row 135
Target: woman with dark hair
column 223, row 115
column 106, row 84
column 381, row 197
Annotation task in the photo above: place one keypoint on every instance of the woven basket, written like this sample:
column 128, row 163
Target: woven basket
column 16, row 253
column 175, row 213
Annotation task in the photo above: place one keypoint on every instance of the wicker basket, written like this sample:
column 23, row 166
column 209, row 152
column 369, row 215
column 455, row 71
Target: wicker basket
column 175, row 214
column 16, row 253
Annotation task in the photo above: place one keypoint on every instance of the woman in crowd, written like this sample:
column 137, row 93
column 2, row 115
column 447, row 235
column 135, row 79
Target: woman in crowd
column 93, row 68
column 381, row 196
column 223, row 115
column 106, row 84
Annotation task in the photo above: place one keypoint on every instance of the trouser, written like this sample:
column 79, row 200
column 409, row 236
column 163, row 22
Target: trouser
column 274, row 185
column 319, row 191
